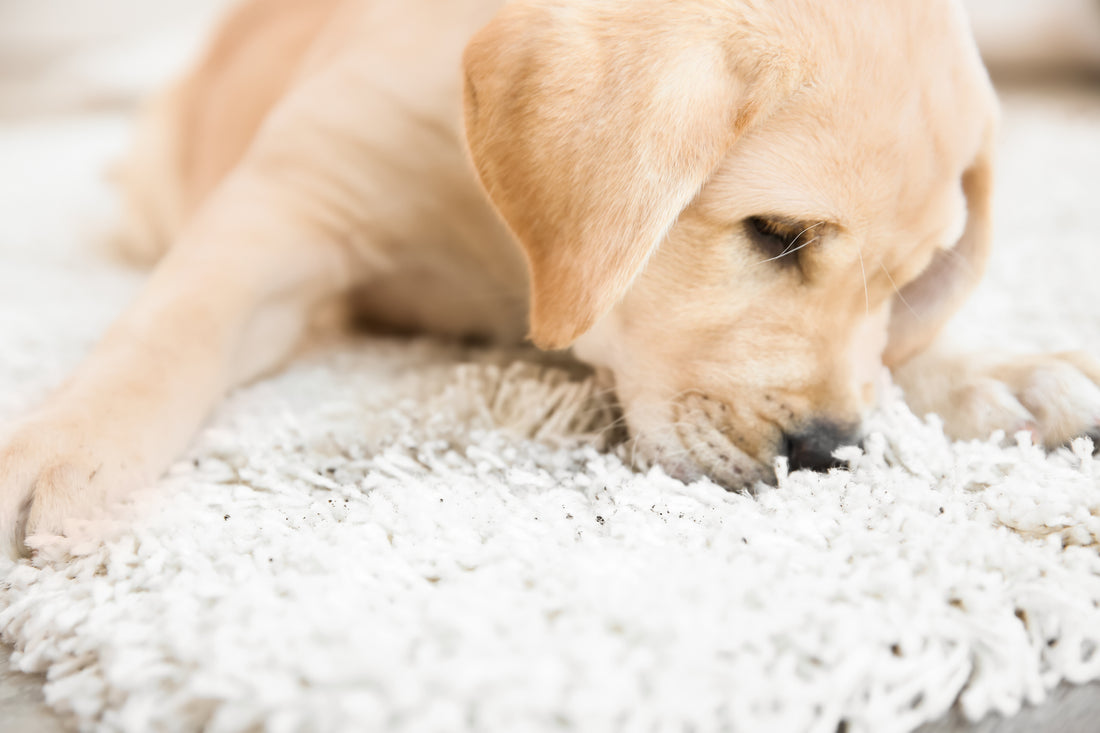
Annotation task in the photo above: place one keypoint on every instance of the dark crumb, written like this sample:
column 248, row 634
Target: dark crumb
column 330, row 470
column 941, row 510
column 441, row 500
column 745, row 540
column 225, row 518
column 568, row 516
column 271, row 559
column 599, row 520
column 195, row 462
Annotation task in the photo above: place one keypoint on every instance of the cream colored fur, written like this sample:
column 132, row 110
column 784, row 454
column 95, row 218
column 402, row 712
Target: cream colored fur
column 316, row 153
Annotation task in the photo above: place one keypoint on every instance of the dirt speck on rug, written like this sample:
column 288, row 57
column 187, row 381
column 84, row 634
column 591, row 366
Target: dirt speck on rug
column 411, row 536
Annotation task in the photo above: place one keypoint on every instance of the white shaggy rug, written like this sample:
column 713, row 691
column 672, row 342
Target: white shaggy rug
column 409, row 536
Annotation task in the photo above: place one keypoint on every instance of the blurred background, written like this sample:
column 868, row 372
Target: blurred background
column 56, row 54
column 1030, row 39
column 59, row 55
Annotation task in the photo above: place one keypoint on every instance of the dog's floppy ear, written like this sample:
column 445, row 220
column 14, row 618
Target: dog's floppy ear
column 924, row 305
column 593, row 125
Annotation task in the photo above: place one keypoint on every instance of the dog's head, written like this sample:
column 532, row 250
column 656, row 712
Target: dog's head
column 742, row 209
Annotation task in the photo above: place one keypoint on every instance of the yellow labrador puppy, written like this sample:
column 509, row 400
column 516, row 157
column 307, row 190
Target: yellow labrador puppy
column 739, row 209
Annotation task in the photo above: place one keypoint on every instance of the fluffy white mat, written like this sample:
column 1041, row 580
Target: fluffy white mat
column 418, row 537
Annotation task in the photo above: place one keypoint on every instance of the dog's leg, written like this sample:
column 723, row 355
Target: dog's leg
column 1056, row 397
column 228, row 302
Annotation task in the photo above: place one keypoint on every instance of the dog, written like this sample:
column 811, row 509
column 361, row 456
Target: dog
column 740, row 211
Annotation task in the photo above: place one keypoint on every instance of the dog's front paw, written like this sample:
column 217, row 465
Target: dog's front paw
column 53, row 470
column 1056, row 397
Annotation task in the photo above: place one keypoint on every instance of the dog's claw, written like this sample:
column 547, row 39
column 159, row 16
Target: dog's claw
column 19, row 535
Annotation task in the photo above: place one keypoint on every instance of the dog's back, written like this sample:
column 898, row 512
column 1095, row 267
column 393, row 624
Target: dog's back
column 192, row 133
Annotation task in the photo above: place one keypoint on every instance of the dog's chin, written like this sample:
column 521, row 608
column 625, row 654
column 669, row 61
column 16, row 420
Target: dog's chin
column 742, row 476
column 693, row 438
column 695, row 460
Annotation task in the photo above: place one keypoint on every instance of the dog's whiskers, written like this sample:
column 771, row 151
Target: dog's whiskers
column 866, row 289
column 899, row 293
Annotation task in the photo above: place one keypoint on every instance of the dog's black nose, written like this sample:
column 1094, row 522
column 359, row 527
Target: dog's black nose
column 813, row 447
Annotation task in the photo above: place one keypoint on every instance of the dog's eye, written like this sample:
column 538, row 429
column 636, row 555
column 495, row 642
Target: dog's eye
column 776, row 239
